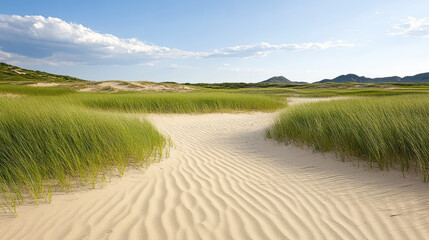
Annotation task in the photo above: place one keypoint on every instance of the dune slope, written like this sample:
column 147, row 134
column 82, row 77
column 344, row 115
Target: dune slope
column 224, row 181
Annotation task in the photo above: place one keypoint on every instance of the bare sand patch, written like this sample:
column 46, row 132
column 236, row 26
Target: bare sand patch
column 43, row 84
column 301, row 100
column 134, row 87
column 109, row 87
column 161, row 87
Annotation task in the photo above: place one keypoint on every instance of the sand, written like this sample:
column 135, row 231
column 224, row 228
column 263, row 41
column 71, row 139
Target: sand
column 301, row 100
column 135, row 87
column 162, row 87
column 42, row 84
column 222, row 180
column 116, row 86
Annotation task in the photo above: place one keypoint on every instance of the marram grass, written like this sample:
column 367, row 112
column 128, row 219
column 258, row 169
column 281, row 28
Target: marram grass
column 387, row 131
column 179, row 102
column 50, row 143
column 34, row 91
column 46, row 146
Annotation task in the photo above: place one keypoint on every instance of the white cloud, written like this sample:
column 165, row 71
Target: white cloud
column 74, row 41
column 227, row 67
column 58, row 31
column 48, row 40
column 178, row 67
column 150, row 64
column 263, row 49
column 411, row 26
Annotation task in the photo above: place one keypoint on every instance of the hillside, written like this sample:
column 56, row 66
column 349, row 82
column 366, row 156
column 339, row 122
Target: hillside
column 10, row 73
column 419, row 78
column 278, row 80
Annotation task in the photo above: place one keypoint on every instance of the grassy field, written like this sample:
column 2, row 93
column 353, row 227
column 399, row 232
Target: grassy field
column 341, row 90
column 34, row 91
column 319, row 89
column 386, row 131
column 179, row 102
column 46, row 147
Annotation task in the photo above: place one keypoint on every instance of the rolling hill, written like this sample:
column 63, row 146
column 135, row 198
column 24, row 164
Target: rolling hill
column 280, row 80
column 419, row 78
column 10, row 73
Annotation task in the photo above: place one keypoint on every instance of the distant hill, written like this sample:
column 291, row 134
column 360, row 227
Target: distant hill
column 419, row 78
column 10, row 73
column 280, row 80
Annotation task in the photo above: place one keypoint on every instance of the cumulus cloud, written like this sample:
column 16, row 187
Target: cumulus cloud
column 263, row 49
column 55, row 38
column 418, row 27
column 49, row 40
column 227, row 67
column 177, row 67
column 150, row 64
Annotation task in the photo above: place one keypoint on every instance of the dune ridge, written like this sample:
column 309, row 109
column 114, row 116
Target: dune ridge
column 223, row 180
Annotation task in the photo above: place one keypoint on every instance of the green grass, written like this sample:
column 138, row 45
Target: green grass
column 47, row 146
column 34, row 91
column 386, row 131
column 328, row 92
column 179, row 102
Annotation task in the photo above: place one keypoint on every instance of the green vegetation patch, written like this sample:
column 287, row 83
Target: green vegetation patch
column 10, row 73
column 386, row 131
column 328, row 92
column 34, row 91
column 45, row 146
column 180, row 102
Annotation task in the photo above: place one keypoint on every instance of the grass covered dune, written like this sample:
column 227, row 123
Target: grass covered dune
column 55, row 139
column 180, row 102
column 45, row 147
column 388, row 131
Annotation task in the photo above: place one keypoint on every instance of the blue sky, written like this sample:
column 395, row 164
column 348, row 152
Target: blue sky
column 216, row 41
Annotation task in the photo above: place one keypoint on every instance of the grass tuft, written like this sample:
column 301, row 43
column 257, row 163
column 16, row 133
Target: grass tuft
column 180, row 102
column 45, row 147
column 387, row 131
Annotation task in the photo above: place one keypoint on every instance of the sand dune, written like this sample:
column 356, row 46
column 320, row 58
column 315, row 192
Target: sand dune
column 112, row 86
column 224, row 181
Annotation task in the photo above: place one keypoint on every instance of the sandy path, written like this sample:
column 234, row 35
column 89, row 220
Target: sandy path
column 224, row 181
